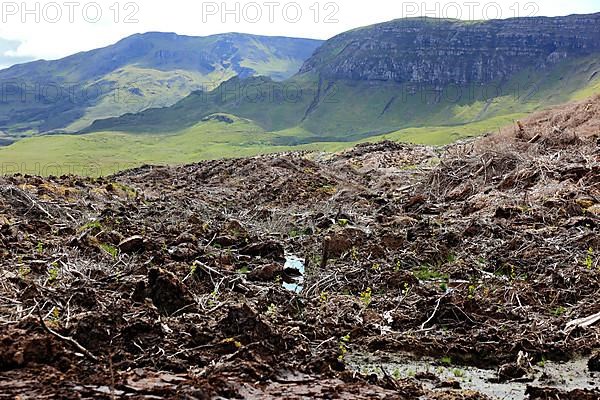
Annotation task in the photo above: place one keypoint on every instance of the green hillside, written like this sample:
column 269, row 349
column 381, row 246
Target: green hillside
column 415, row 80
column 107, row 152
column 353, row 110
column 141, row 71
column 177, row 134
column 104, row 153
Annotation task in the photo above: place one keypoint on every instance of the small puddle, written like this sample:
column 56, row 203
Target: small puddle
column 294, row 274
column 566, row 376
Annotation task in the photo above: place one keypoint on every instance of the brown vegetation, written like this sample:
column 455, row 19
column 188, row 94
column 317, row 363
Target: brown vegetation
column 172, row 278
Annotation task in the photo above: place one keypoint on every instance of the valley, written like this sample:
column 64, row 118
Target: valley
column 145, row 70
column 172, row 115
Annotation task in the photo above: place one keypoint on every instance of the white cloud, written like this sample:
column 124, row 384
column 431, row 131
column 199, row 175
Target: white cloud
column 9, row 53
column 54, row 40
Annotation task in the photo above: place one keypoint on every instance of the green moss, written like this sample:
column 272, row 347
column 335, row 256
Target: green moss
column 113, row 251
column 427, row 273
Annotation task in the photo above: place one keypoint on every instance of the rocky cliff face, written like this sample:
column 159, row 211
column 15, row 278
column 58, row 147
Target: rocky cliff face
column 433, row 51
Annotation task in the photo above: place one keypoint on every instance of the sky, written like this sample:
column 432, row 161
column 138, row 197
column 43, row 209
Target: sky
column 32, row 29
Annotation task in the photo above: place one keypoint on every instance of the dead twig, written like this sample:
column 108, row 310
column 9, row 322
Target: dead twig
column 19, row 195
column 67, row 339
column 437, row 306
column 584, row 322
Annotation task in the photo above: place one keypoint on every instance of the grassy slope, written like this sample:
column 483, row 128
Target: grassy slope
column 354, row 110
column 162, row 88
column 358, row 110
column 442, row 135
column 259, row 99
column 143, row 88
column 106, row 152
column 162, row 68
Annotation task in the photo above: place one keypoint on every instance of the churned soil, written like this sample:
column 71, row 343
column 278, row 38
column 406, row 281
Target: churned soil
column 170, row 282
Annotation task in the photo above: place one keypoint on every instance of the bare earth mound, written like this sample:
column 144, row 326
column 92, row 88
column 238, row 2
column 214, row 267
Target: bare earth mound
column 279, row 276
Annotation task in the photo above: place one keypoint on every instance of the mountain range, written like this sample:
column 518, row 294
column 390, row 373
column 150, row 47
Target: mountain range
column 140, row 71
column 420, row 80
column 404, row 73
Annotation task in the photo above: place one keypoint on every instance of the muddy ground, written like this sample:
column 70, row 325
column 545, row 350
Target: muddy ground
column 307, row 275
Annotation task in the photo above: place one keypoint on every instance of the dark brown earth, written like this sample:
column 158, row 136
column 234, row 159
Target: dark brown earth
column 167, row 281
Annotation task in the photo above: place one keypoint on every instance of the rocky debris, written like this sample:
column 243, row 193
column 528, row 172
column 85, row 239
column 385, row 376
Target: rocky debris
column 427, row 376
column 452, row 384
column 342, row 241
column 244, row 321
column 266, row 273
column 270, row 250
column 19, row 348
column 535, row 393
column 594, row 362
column 168, row 294
column 458, row 395
column 186, row 237
column 133, row 244
column 474, row 252
column 236, row 229
column 520, row 368
column 186, row 251
column 219, row 118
